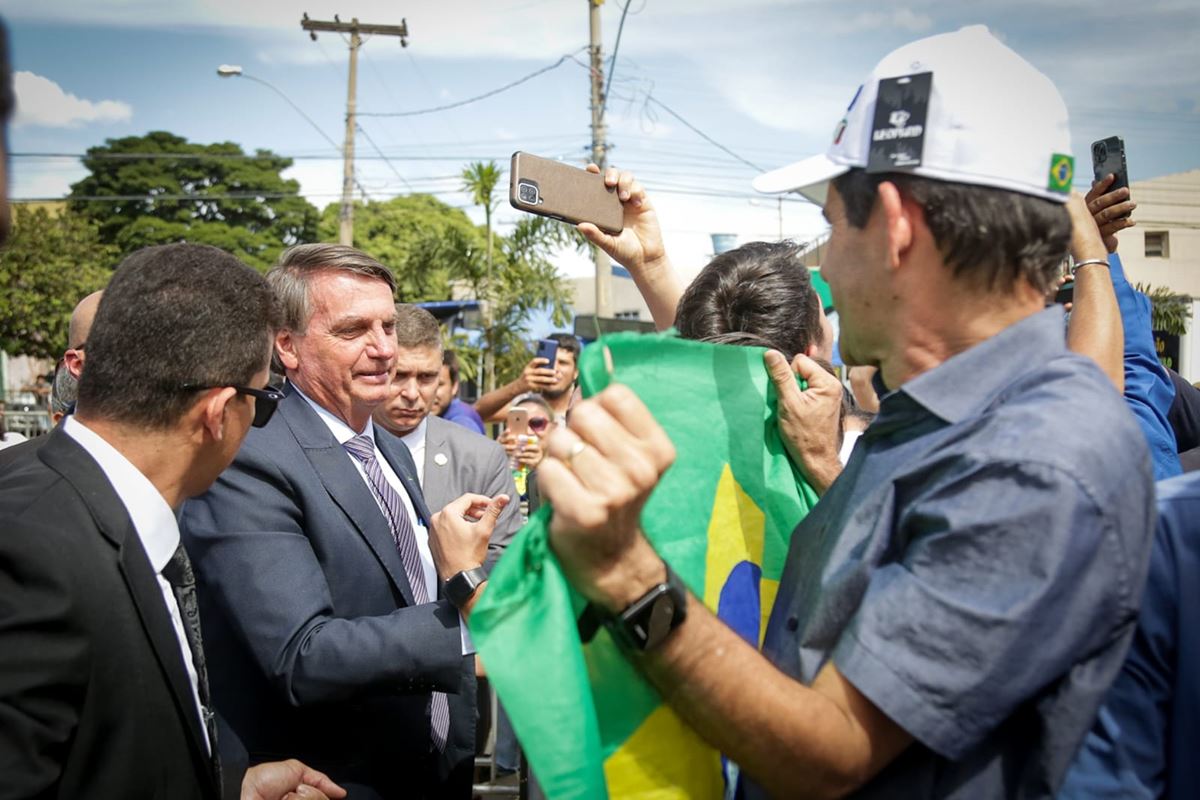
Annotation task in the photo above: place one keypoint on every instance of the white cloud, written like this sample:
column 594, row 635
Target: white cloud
column 900, row 18
column 41, row 101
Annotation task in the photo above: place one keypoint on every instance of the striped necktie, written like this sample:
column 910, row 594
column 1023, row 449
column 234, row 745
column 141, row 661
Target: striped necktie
column 362, row 447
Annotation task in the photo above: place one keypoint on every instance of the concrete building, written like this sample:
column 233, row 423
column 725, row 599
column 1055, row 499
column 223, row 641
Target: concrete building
column 1163, row 249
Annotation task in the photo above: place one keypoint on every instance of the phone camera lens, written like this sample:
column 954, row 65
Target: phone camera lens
column 528, row 193
column 1101, row 152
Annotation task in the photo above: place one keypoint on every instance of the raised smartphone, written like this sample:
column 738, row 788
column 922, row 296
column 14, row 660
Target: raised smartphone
column 560, row 191
column 547, row 349
column 1108, row 156
column 517, row 421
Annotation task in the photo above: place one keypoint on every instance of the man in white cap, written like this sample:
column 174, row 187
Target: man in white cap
column 953, row 609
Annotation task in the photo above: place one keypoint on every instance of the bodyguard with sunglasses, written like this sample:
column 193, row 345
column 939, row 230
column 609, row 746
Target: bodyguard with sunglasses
column 103, row 675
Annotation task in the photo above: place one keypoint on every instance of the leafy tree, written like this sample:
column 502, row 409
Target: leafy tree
column 51, row 262
column 1170, row 312
column 397, row 233
column 161, row 188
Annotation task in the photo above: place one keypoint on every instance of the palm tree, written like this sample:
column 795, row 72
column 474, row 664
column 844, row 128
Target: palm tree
column 480, row 181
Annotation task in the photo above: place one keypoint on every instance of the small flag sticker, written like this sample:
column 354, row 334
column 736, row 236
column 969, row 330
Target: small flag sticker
column 1062, row 170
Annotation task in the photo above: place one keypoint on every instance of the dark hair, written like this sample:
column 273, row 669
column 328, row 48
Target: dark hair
column 450, row 359
column 759, row 295
column 989, row 237
column 416, row 327
column 567, row 342
column 172, row 316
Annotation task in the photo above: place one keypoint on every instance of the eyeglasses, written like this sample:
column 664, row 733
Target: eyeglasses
column 538, row 424
column 265, row 400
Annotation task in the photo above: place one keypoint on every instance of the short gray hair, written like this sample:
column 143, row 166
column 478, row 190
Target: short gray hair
column 416, row 327
column 291, row 275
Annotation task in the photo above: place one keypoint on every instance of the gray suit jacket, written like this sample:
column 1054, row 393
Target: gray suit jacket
column 458, row 461
column 315, row 647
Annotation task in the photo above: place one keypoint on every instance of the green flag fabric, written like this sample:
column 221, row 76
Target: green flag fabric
column 722, row 516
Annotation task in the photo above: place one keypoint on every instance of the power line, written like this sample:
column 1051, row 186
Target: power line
column 700, row 133
column 386, row 160
column 470, row 100
column 612, row 67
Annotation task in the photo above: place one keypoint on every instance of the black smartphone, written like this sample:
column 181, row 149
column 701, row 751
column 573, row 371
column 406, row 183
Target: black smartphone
column 560, row 191
column 548, row 349
column 1108, row 157
column 1065, row 293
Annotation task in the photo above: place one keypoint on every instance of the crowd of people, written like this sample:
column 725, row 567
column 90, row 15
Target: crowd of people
column 243, row 562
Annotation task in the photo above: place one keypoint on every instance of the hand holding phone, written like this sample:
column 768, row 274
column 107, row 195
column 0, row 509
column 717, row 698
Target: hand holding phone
column 538, row 374
column 1108, row 158
column 560, row 191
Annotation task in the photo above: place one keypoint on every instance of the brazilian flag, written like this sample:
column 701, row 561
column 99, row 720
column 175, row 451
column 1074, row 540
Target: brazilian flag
column 722, row 516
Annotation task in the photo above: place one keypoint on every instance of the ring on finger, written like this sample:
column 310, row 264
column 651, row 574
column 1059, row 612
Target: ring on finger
column 575, row 450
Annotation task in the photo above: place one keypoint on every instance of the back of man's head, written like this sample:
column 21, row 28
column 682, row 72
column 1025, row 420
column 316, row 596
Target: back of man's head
column 417, row 328
column 759, row 294
column 173, row 317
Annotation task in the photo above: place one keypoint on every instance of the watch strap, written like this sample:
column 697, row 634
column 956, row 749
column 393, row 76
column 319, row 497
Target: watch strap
column 647, row 621
column 463, row 584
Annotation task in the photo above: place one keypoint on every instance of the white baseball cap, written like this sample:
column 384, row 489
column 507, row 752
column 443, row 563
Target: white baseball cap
column 992, row 120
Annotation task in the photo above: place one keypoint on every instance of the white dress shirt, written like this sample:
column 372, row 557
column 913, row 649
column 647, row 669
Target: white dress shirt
column 344, row 433
column 415, row 441
column 155, row 524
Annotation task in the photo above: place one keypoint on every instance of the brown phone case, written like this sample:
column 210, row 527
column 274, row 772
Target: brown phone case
column 560, row 191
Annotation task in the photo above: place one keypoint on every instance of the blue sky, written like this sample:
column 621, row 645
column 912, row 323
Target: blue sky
column 766, row 78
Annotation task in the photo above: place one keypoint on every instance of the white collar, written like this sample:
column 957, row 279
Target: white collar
column 415, row 439
column 337, row 426
column 152, row 518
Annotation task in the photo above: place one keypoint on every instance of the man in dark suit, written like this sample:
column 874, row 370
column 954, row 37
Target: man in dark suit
column 451, row 460
column 325, row 582
column 103, row 689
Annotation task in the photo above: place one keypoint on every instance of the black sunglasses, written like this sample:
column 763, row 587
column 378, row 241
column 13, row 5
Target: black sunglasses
column 538, row 424
column 265, row 400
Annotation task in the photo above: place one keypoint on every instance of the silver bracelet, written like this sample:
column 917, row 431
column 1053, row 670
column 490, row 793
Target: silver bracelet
column 1101, row 261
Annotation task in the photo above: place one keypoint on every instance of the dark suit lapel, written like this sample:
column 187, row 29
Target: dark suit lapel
column 397, row 454
column 345, row 486
column 64, row 455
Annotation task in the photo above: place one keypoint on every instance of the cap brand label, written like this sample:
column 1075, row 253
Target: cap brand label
column 898, row 128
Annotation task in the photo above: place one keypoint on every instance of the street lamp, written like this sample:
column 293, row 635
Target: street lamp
column 346, row 235
column 235, row 71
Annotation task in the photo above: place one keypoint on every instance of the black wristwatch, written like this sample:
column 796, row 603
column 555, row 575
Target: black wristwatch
column 462, row 585
column 647, row 621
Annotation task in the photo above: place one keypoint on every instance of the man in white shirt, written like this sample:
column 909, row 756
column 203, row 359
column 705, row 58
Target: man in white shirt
column 331, row 596
column 450, row 459
column 103, row 686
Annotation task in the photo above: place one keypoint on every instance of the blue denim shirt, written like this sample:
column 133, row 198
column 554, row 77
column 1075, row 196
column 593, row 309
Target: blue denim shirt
column 975, row 570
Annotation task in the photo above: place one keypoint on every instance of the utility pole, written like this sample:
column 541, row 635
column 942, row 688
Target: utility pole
column 599, row 152
column 355, row 29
